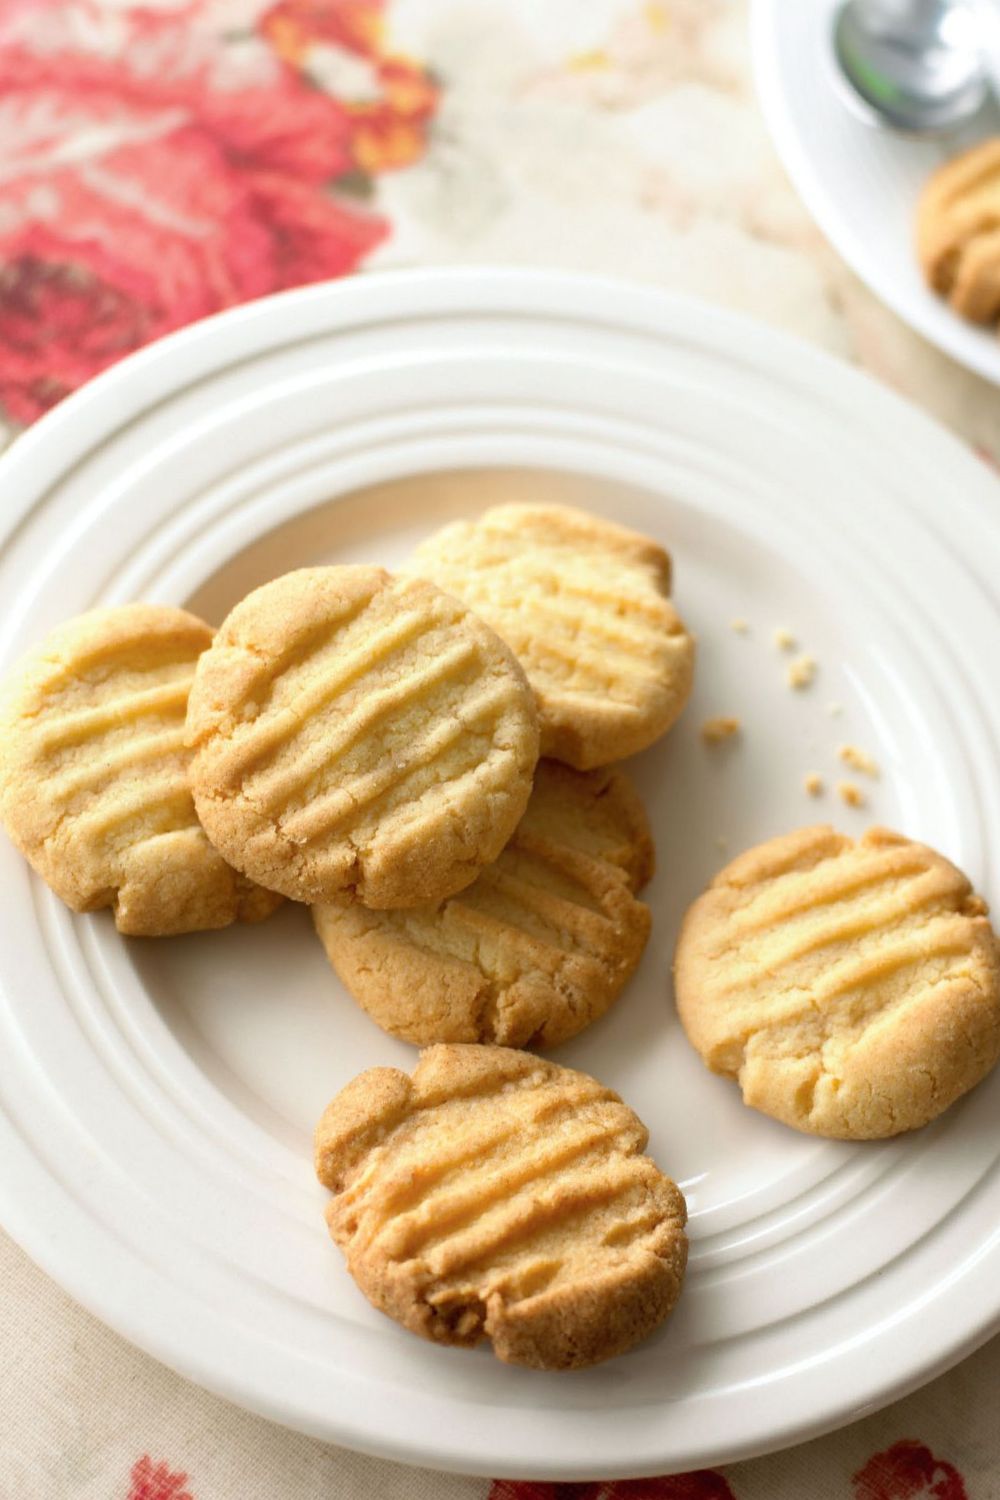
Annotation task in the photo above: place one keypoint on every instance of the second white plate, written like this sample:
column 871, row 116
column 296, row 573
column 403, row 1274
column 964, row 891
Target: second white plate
column 157, row 1098
column 860, row 183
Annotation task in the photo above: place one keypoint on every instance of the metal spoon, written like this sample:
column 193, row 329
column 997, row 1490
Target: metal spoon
column 914, row 64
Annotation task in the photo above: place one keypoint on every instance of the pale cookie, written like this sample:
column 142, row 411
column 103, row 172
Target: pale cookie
column 538, row 947
column 584, row 605
column 93, row 774
column 958, row 232
column 497, row 1195
column 853, row 988
column 359, row 737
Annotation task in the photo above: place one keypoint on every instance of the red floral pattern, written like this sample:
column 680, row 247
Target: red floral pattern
column 389, row 130
column 908, row 1471
column 702, row 1484
column 296, row 25
column 157, row 1482
column 143, row 192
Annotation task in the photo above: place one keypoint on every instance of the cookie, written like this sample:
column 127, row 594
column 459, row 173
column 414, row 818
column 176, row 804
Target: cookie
column 359, row 737
column 584, row 605
column 852, row 987
column 958, row 232
column 541, row 943
column 93, row 774
column 496, row 1195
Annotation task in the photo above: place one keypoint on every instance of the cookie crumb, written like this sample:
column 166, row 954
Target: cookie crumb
column 740, row 626
column 801, row 672
column 851, row 794
column 722, row 843
column 714, row 731
column 857, row 759
column 784, row 639
column 813, row 783
column 835, row 710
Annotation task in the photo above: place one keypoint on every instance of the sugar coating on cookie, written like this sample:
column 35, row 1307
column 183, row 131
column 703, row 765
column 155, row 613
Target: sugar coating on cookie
column 93, row 773
column 958, row 231
column 852, row 987
column 360, row 737
column 585, row 606
column 496, row 1195
column 538, row 947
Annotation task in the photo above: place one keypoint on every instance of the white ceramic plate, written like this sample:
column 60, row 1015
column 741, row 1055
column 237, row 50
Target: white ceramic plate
column 157, row 1098
column 860, row 183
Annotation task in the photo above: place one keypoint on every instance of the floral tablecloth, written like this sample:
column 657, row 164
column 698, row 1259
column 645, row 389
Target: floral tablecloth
column 160, row 162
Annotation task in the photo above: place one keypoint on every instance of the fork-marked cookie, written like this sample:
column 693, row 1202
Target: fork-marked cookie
column 852, row 988
column 359, row 738
column 93, row 773
column 538, row 947
column 496, row 1195
column 958, row 231
column 585, row 607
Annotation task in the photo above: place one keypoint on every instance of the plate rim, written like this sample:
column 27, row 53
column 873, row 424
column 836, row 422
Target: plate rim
column 482, row 289
column 981, row 359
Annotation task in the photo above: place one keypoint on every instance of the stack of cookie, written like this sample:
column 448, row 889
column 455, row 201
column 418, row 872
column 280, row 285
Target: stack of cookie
column 542, row 941
column 369, row 745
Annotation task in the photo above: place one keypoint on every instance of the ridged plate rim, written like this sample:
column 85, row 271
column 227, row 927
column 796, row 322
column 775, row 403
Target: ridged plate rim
column 73, row 1246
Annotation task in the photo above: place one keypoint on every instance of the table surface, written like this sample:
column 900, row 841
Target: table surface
column 159, row 163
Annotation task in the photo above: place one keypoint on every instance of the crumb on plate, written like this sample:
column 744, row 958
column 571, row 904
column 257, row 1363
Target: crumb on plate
column 714, row 731
column 835, row 710
column 784, row 639
column 740, row 626
column 813, row 783
column 722, row 843
column 858, row 760
column 848, row 792
column 801, row 671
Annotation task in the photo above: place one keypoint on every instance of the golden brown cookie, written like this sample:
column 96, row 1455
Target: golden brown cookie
column 585, row 607
column 93, row 774
column 958, row 231
column 540, row 945
column 853, row 988
column 497, row 1195
column 359, row 737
